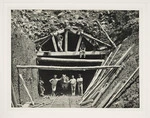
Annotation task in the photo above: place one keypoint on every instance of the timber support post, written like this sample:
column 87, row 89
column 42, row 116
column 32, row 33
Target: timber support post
column 66, row 41
column 78, row 44
column 54, row 43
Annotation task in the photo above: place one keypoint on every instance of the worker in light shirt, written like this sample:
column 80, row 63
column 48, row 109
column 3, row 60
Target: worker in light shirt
column 73, row 85
column 54, row 82
column 80, row 85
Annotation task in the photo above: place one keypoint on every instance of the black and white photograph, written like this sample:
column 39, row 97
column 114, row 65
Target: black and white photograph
column 75, row 58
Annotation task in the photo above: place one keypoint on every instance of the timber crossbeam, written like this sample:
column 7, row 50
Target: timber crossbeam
column 70, row 60
column 83, row 68
column 71, row 53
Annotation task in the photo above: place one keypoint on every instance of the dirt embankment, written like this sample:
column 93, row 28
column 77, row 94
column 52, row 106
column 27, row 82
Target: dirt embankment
column 131, row 96
column 23, row 53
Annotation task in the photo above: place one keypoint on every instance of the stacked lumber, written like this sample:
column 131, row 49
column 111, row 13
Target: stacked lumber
column 103, row 79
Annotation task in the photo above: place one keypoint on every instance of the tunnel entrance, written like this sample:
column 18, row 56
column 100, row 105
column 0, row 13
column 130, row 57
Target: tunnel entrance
column 46, row 75
column 73, row 46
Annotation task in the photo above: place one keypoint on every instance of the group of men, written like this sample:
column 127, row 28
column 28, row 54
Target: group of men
column 65, row 81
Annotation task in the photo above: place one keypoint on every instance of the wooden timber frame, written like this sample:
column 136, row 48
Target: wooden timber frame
column 76, row 52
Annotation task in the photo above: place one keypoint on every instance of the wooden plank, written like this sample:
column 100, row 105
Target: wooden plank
column 120, row 90
column 106, row 34
column 70, row 53
column 66, row 41
column 23, row 82
column 54, row 43
column 70, row 60
column 78, row 44
column 64, row 67
column 90, row 37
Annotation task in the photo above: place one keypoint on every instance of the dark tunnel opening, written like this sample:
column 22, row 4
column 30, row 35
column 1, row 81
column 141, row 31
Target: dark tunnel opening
column 46, row 75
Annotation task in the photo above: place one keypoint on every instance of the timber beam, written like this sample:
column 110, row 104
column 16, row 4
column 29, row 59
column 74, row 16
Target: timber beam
column 80, row 68
column 51, row 34
column 92, row 38
column 70, row 60
column 106, row 34
column 71, row 53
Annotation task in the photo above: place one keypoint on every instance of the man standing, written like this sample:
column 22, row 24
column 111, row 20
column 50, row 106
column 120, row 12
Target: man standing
column 41, row 88
column 73, row 85
column 60, row 42
column 53, row 82
column 82, row 50
column 64, row 83
column 80, row 85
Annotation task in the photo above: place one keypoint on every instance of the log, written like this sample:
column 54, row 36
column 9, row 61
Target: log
column 41, row 39
column 12, row 105
column 104, row 102
column 66, row 41
column 86, row 102
column 64, row 67
column 90, row 37
column 106, row 34
column 102, row 72
column 18, row 85
column 54, row 44
column 116, row 51
column 93, row 89
column 125, row 55
column 54, row 33
column 96, row 75
column 110, row 61
column 108, row 73
column 70, row 60
column 89, row 41
column 120, row 90
column 95, row 95
column 23, row 82
column 70, row 53
column 78, row 44
column 112, row 79
column 96, row 86
column 14, row 100
column 45, row 41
